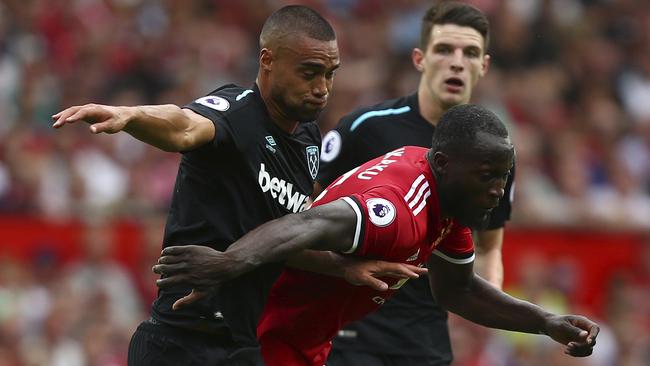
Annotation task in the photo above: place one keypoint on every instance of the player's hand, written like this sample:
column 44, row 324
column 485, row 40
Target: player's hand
column 368, row 272
column 193, row 296
column 576, row 332
column 197, row 266
column 102, row 118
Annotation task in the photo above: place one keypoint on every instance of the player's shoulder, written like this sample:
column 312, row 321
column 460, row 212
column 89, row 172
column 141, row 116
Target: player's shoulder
column 397, row 169
column 229, row 98
column 410, row 172
column 385, row 110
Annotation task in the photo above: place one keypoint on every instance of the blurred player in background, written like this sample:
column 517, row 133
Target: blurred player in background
column 249, row 155
column 451, row 58
column 412, row 205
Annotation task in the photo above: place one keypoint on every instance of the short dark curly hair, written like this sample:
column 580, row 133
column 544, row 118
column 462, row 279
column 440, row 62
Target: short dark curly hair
column 457, row 129
column 452, row 12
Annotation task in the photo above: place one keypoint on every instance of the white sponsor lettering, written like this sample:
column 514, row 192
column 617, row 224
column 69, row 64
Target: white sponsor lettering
column 383, row 164
column 282, row 191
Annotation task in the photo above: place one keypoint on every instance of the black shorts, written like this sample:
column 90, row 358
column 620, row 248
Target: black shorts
column 340, row 357
column 162, row 345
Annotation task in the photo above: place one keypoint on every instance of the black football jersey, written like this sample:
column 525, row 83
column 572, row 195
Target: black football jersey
column 409, row 323
column 251, row 172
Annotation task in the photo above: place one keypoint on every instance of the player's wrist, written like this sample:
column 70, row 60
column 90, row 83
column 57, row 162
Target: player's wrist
column 545, row 323
column 134, row 113
column 240, row 263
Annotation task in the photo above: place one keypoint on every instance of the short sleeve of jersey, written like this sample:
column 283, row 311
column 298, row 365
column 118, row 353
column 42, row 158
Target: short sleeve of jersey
column 212, row 107
column 335, row 147
column 456, row 246
column 383, row 222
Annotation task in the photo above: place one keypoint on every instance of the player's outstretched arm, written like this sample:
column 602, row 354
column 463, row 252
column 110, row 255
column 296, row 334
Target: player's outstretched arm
column 327, row 227
column 167, row 127
column 460, row 291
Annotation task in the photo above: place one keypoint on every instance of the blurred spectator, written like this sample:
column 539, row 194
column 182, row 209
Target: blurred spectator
column 101, row 282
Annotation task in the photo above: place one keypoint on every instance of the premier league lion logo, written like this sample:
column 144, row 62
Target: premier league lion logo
column 381, row 212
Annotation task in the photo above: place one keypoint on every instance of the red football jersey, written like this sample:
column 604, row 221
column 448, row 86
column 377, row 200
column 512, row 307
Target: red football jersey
column 398, row 220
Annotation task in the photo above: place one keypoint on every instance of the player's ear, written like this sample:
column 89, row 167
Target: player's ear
column 266, row 59
column 417, row 57
column 485, row 65
column 439, row 162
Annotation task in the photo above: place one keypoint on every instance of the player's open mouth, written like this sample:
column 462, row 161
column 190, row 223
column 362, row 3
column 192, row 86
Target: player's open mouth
column 454, row 85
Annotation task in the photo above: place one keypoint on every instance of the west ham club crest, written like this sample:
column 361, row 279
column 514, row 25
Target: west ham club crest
column 312, row 160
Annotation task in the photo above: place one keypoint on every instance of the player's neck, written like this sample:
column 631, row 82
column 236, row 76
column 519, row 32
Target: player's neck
column 279, row 118
column 444, row 212
column 429, row 109
column 277, row 114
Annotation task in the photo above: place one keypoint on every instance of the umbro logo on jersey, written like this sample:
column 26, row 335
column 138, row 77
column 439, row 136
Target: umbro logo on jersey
column 281, row 191
column 270, row 142
column 313, row 160
column 380, row 211
column 214, row 102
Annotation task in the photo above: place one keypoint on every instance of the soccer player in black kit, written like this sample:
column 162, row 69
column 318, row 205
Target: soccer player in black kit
column 249, row 155
column 451, row 59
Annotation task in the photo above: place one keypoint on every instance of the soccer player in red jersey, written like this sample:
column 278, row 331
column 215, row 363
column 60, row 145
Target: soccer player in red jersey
column 413, row 205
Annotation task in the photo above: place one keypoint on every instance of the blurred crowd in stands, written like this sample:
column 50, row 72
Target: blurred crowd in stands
column 570, row 77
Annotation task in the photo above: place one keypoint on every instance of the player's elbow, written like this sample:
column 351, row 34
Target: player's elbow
column 442, row 297
column 181, row 141
column 450, row 297
column 333, row 226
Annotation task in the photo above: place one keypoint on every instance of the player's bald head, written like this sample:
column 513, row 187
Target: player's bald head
column 294, row 20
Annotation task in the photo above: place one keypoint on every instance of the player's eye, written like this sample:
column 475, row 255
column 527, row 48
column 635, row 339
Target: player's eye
column 486, row 177
column 472, row 52
column 308, row 75
column 442, row 49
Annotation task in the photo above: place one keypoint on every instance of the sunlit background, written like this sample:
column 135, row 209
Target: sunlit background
column 81, row 216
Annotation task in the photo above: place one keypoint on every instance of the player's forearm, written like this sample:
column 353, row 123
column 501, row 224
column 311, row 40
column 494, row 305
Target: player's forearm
column 329, row 227
column 323, row 262
column 484, row 304
column 167, row 127
column 489, row 263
